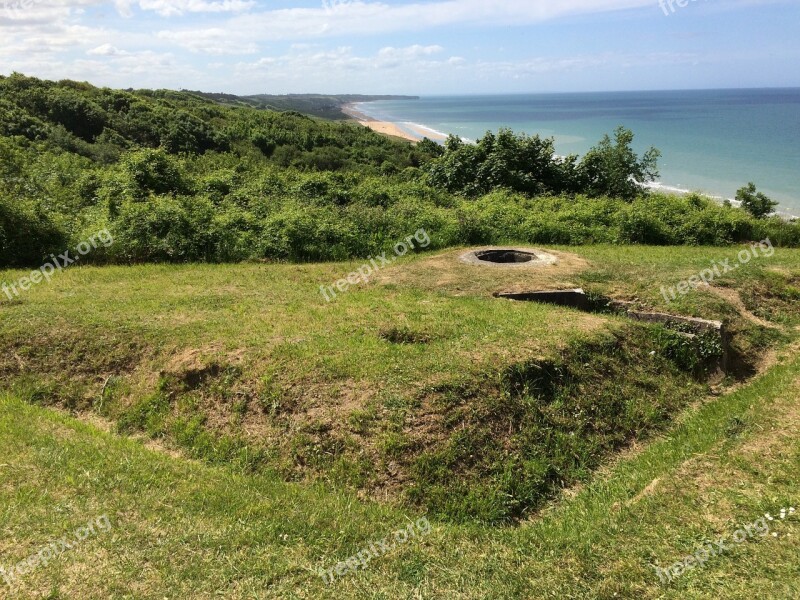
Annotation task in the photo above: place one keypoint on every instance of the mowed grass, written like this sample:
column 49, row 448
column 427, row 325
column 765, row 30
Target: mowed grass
column 275, row 315
column 417, row 387
column 637, row 272
column 274, row 319
column 183, row 529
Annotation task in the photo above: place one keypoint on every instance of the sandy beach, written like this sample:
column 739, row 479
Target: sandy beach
column 427, row 132
column 412, row 131
column 384, row 127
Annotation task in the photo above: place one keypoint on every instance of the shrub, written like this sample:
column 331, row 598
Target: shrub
column 754, row 202
column 153, row 171
column 27, row 235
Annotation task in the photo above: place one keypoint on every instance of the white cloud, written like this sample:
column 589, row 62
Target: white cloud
column 106, row 50
column 392, row 57
column 324, row 63
column 24, row 41
column 404, row 70
column 410, row 51
column 209, row 41
column 170, row 8
column 144, row 69
column 16, row 13
column 364, row 18
column 374, row 18
column 175, row 8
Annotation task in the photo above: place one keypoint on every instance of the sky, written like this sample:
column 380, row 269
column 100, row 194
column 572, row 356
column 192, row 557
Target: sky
column 418, row 47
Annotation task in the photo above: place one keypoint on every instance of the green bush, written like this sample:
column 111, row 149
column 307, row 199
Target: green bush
column 166, row 229
column 153, row 171
column 27, row 236
column 176, row 177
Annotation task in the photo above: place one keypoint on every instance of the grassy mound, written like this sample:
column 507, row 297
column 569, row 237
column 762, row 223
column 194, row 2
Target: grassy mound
column 418, row 387
column 183, row 529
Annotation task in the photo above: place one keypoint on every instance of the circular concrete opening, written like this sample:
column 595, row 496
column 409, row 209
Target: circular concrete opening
column 508, row 257
column 505, row 257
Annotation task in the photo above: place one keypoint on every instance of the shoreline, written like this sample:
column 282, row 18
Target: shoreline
column 415, row 132
column 660, row 187
column 412, row 132
column 384, row 127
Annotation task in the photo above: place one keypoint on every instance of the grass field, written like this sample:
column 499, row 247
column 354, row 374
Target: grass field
column 183, row 529
column 556, row 453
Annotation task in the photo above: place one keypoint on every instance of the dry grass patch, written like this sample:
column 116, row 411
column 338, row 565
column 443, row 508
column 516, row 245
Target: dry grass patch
column 446, row 273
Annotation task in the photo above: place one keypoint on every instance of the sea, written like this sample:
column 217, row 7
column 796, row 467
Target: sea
column 711, row 141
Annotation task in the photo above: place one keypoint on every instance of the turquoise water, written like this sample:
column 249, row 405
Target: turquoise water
column 712, row 141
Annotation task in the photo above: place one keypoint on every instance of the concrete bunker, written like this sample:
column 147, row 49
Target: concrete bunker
column 508, row 257
column 690, row 327
column 505, row 256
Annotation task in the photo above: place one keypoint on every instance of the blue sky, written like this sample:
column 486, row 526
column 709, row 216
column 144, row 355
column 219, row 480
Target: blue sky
column 405, row 47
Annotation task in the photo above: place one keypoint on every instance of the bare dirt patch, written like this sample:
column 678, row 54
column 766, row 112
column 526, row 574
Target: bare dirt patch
column 334, row 406
column 733, row 298
column 194, row 366
column 648, row 490
column 447, row 272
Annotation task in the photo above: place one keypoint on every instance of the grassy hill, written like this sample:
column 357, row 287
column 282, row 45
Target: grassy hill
column 418, row 387
column 317, row 105
column 266, row 356
column 184, row 528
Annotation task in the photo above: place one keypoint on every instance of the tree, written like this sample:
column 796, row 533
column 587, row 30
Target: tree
column 755, row 202
column 185, row 133
column 153, row 171
column 264, row 142
column 506, row 160
column 429, row 147
column 529, row 164
column 613, row 169
column 79, row 115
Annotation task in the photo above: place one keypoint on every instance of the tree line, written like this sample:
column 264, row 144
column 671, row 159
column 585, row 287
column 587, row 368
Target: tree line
column 178, row 177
